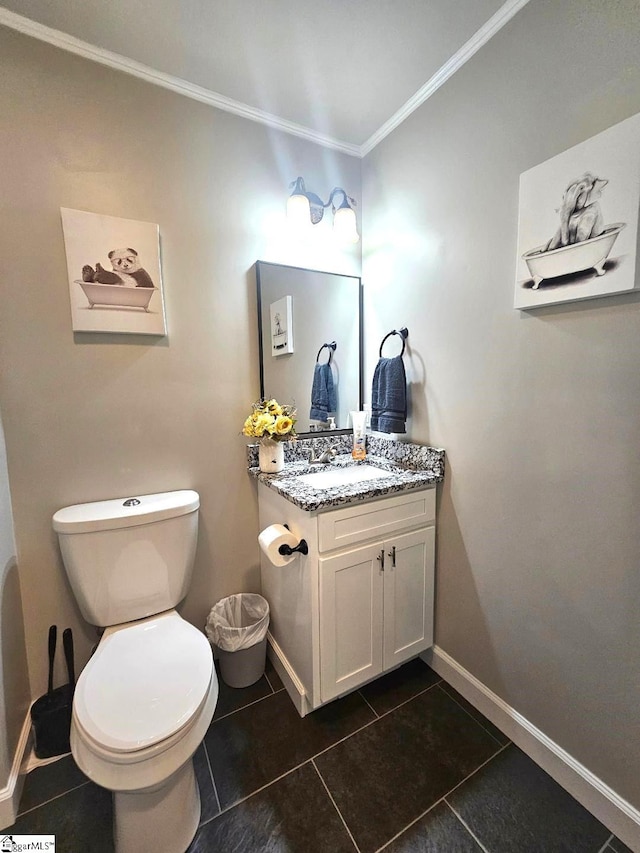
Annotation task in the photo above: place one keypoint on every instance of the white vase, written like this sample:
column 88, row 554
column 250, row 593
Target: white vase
column 271, row 456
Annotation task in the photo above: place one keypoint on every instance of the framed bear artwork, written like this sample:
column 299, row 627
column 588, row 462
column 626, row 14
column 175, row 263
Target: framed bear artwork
column 115, row 281
column 578, row 221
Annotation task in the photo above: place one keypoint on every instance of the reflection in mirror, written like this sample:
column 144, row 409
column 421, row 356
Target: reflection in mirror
column 301, row 315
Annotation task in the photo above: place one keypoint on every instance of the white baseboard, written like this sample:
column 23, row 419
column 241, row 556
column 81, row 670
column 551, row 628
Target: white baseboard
column 601, row 800
column 289, row 678
column 12, row 791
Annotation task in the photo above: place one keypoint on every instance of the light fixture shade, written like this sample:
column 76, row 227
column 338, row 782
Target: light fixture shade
column 305, row 209
column 299, row 211
column 344, row 225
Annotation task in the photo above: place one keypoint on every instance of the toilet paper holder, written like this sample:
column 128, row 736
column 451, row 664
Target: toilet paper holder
column 287, row 550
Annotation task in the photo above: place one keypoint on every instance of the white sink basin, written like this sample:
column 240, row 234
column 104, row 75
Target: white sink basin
column 327, row 478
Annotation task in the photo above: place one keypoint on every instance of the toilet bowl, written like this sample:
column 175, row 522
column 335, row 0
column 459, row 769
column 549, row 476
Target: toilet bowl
column 142, row 706
column 146, row 697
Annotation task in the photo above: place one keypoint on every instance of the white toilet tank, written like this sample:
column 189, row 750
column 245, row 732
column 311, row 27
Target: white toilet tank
column 131, row 557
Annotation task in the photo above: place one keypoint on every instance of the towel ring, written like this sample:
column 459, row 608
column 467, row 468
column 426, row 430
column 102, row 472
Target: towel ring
column 404, row 334
column 331, row 347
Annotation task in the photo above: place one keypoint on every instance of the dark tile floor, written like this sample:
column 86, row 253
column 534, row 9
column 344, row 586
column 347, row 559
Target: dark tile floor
column 404, row 765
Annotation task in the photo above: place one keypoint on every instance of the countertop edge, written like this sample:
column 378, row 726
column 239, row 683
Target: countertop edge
column 311, row 500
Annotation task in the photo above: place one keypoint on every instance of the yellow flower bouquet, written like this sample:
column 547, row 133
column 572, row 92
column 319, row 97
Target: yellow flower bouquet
column 270, row 420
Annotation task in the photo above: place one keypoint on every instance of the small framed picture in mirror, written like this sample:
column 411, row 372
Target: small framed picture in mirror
column 282, row 326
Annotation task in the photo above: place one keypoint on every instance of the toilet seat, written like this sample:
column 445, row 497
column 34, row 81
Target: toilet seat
column 144, row 687
column 135, row 756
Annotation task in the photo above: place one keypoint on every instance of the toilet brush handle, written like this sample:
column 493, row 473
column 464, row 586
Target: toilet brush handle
column 53, row 638
column 67, row 643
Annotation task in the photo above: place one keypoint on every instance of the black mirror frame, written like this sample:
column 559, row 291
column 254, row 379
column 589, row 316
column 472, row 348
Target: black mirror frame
column 360, row 339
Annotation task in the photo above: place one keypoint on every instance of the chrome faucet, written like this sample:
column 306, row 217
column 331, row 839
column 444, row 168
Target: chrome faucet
column 325, row 457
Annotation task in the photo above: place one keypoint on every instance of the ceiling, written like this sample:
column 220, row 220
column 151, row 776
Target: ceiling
column 343, row 72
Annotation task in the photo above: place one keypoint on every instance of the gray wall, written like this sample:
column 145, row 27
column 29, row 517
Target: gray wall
column 14, row 681
column 103, row 416
column 538, row 589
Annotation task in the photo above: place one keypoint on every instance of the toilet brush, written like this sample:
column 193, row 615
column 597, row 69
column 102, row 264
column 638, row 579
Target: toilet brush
column 51, row 713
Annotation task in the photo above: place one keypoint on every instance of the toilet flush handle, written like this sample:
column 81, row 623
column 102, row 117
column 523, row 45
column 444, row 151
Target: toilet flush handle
column 131, row 502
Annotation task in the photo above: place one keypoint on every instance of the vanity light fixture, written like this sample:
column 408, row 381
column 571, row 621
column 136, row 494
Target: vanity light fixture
column 306, row 208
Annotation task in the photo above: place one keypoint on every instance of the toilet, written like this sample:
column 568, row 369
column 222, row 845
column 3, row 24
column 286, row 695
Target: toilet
column 145, row 699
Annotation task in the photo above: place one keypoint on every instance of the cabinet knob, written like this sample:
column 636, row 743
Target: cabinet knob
column 380, row 559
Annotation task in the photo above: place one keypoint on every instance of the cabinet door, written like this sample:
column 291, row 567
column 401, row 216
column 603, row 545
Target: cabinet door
column 351, row 587
column 408, row 595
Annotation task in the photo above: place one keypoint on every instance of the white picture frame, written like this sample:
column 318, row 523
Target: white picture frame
column 281, row 314
column 578, row 221
column 115, row 279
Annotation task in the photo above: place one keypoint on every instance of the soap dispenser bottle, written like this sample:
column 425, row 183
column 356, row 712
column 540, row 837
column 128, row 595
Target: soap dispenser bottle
column 358, row 419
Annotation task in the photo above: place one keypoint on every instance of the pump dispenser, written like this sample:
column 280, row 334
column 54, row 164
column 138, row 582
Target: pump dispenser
column 358, row 419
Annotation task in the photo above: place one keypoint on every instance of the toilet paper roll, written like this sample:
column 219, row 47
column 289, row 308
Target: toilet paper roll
column 271, row 538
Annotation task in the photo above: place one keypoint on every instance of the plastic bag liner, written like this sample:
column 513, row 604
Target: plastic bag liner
column 238, row 622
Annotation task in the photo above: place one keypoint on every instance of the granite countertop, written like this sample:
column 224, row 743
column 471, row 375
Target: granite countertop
column 410, row 466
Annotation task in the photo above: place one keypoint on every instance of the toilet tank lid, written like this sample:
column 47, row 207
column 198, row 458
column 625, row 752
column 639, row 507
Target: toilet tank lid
column 124, row 512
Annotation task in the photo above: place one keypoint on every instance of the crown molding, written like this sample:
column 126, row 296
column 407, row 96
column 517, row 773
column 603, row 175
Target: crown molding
column 477, row 40
column 167, row 81
column 117, row 61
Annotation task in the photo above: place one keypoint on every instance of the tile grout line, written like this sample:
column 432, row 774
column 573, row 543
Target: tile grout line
column 409, row 825
column 443, row 799
column 335, row 805
column 51, row 799
column 213, row 781
column 406, row 701
column 361, row 694
column 468, row 828
column 346, row 737
column 242, row 707
column 607, row 844
column 253, row 793
column 472, row 717
column 371, row 722
column 473, row 772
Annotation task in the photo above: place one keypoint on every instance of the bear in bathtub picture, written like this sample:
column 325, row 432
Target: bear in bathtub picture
column 127, row 270
column 126, row 286
column 582, row 242
column 114, row 273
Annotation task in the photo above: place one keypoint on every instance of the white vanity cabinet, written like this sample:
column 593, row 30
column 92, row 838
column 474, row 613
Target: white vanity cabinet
column 360, row 602
column 376, row 609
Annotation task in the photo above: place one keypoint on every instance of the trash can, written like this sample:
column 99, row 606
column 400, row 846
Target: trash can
column 237, row 627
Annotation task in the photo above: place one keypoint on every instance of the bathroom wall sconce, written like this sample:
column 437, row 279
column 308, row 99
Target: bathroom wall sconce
column 306, row 208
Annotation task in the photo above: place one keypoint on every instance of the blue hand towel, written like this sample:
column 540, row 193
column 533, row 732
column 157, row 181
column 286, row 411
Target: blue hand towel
column 389, row 396
column 323, row 393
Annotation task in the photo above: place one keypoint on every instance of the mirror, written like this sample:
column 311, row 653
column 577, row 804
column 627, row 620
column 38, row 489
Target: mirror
column 299, row 312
